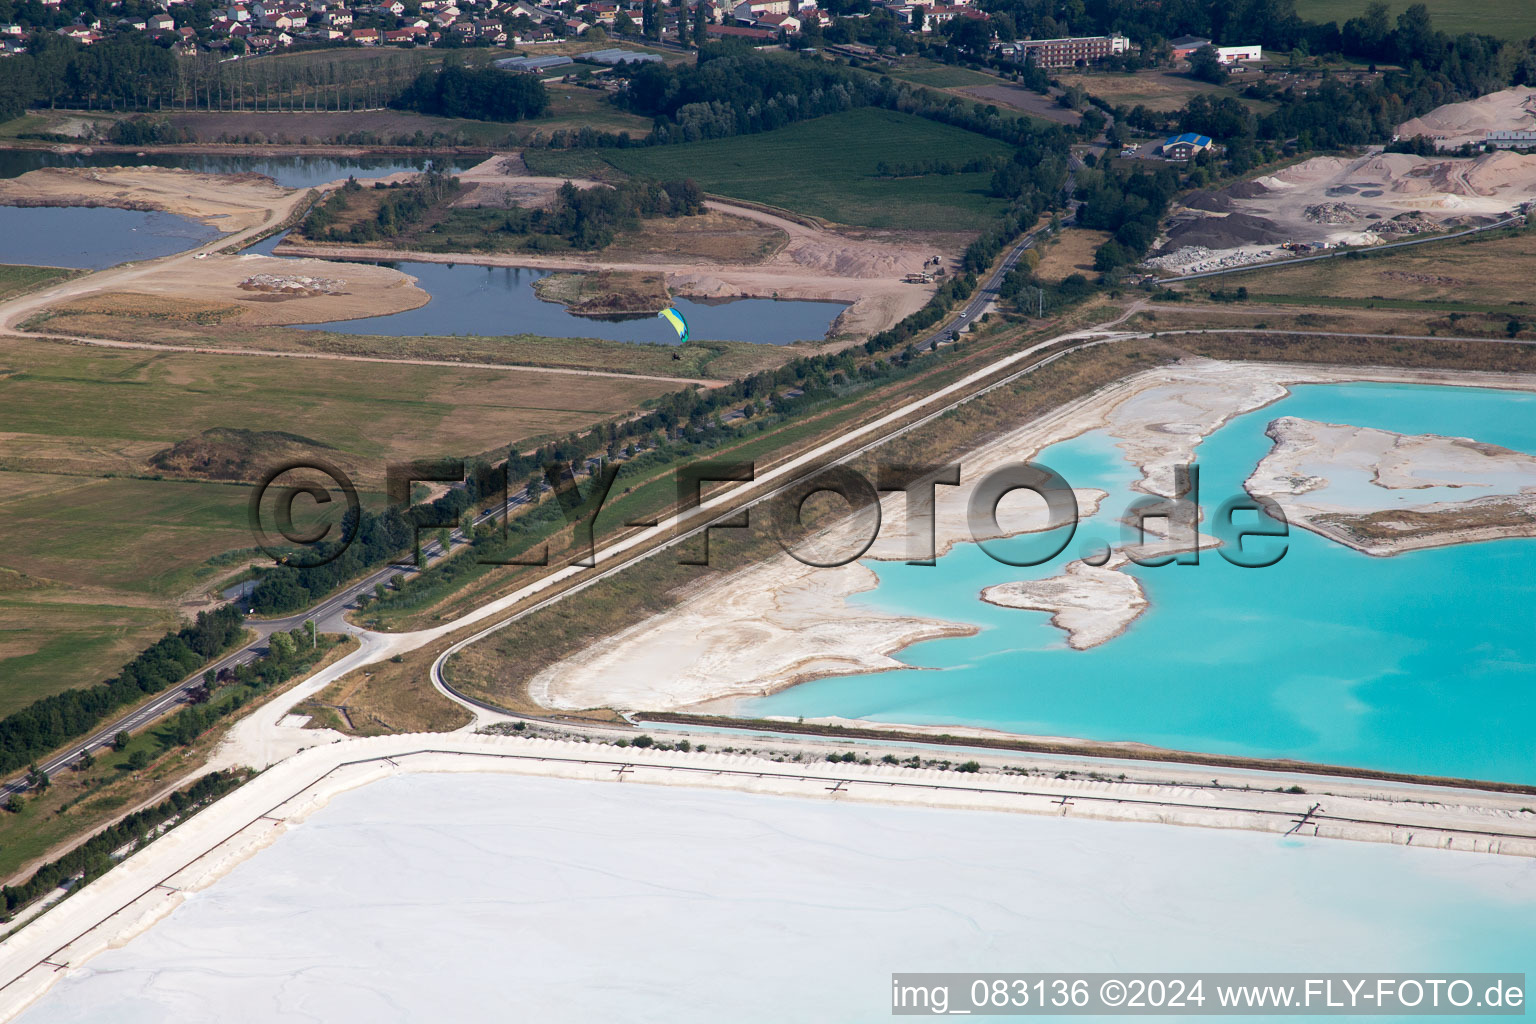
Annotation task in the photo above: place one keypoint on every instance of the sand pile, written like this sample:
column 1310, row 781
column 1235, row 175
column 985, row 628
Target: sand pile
column 1455, row 123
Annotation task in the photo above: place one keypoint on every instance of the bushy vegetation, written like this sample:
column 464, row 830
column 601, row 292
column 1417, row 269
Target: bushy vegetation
column 48, row 724
column 588, row 218
column 147, row 131
column 1128, row 205
column 484, row 94
column 403, row 207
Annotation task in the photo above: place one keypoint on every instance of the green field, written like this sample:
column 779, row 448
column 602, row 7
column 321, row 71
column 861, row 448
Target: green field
column 1506, row 19
column 939, row 76
column 826, row 167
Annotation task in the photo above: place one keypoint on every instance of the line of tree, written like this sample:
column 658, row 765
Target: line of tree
column 49, row 723
column 93, row 857
column 483, row 94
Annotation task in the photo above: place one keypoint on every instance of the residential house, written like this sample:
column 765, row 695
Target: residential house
column 161, row 23
column 366, row 36
column 943, row 14
column 779, row 23
column 748, row 11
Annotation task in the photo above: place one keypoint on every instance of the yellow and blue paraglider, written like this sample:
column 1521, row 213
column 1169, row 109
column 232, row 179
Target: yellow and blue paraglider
column 679, row 325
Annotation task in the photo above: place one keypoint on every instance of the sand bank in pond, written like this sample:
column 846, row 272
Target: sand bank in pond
column 251, row 290
column 1383, row 493
column 229, row 202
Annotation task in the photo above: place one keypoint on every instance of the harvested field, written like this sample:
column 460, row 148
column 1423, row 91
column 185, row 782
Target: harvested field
column 1155, row 90
column 1071, row 253
column 89, row 411
column 97, row 565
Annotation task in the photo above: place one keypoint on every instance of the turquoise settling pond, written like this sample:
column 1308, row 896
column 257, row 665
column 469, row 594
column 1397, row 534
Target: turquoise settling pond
column 1424, row 662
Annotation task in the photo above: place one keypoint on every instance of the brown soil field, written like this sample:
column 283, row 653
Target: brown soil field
column 290, row 128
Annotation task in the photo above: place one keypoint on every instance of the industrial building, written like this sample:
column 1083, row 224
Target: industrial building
column 1070, row 51
column 1184, row 147
column 531, row 65
column 617, row 56
column 1232, row 54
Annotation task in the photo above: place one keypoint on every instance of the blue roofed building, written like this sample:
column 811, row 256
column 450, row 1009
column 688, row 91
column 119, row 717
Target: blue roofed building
column 1184, row 147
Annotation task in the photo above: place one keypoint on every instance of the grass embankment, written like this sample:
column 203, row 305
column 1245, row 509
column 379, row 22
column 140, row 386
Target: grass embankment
column 390, row 697
column 16, row 279
column 1305, row 316
column 826, row 167
column 80, row 800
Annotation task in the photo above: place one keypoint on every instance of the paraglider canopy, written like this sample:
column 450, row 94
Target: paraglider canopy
column 679, row 325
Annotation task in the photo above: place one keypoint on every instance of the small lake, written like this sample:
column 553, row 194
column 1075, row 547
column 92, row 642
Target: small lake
column 499, row 301
column 294, row 171
column 1423, row 662
column 92, row 238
